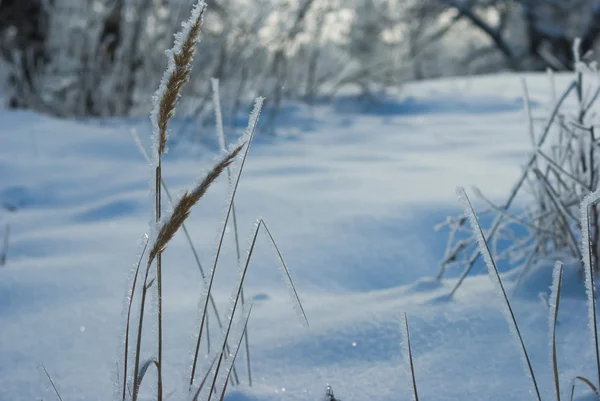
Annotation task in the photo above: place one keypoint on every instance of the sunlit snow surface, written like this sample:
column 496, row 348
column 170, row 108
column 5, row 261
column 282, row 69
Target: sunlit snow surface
column 351, row 190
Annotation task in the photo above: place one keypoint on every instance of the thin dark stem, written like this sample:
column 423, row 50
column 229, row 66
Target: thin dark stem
column 158, row 181
column 52, row 383
column 138, row 345
column 128, row 323
column 410, row 359
column 234, row 357
column 553, row 338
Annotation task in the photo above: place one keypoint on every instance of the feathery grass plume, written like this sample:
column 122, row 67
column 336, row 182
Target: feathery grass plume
column 590, row 286
column 221, row 137
column 52, row 383
column 407, row 351
column 188, row 200
column 178, row 70
column 552, row 321
column 249, row 133
column 495, row 277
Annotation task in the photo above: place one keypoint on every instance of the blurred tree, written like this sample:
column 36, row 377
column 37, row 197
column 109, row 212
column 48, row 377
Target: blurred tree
column 23, row 30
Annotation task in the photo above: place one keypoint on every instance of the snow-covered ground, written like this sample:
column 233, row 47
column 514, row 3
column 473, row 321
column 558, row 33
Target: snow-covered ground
column 351, row 190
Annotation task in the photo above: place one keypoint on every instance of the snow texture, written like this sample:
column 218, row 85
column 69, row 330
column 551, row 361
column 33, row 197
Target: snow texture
column 351, row 192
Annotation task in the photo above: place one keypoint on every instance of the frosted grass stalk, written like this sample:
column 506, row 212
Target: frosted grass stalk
column 495, row 277
column 287, row 279
column 407, row 355
column 122, row 375
column 553, row 303
column 586, row 253
column 239, row 335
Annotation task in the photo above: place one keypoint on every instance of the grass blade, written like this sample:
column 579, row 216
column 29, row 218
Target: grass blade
column 287, row 273
column 408, row 355
column 52, row 383
column 557, row 277
column 586, row 382
column 205, row 378
column 234, row 357
column 243, row 335
column 142, row 374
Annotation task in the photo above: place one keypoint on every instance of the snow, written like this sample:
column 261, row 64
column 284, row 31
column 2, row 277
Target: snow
column 351, row 191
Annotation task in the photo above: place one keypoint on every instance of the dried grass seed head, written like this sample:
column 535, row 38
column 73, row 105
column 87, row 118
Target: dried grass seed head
column 188, row 200
column 180, row 59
